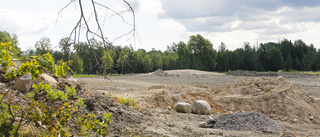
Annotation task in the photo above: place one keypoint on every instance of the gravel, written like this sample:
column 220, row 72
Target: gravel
column 245, row 121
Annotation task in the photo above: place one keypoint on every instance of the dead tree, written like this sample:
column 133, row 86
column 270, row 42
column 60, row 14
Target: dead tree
column 83, row 26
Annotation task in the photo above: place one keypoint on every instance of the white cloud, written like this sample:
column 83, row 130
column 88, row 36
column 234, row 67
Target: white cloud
column 239, row 21
column 23, row 23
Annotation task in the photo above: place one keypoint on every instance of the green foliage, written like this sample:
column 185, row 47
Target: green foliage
column 127, row 102
column 38, row 64
column 53, row 94
column 89, row 121
column 62, row 69
column 77, row 66
column 5, row 55
column 11, row 75
column 43, row 46
column 7, row 125
column 6, row 37
column 57, row 118
column 107, row 62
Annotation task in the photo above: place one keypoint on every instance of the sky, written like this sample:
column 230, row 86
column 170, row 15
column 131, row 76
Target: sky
column 160, row 23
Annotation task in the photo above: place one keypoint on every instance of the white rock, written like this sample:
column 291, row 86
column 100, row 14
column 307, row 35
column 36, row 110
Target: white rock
column 24, row 83
column 203, row 124
column 46, row 79
column 183, row 107
column 280, row 78
column 175, row 97
column 295, row 120
column 201, row 107
column 209, row 118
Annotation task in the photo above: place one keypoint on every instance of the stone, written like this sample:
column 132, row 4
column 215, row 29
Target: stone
column 170, row 124
column 209, row 118
column 47, row 79
column 201, row 107
column 183, row 107
column 175, row 97
column 203, row 124
column 2, row 85
column 24, row 83
column 280, row 78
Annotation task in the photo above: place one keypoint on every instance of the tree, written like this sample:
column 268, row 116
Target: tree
column 202, row 53
column 250, row 58
column 65, row 45
column 77, row 66
column 126, row 60
column 84, row 26
column 155, row 56
column 107, row 62
column 183, row 55
column 288, row 62
column 275, row 59
column 43, row 46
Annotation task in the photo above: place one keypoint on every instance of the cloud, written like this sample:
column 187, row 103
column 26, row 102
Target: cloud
column 23, row 23
column 265, row 17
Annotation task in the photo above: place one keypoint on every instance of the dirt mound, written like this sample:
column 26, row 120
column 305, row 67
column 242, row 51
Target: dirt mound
column 245, row 121
column 159, row 72
column 183, row 73
column 274, row 97
column 164, row 96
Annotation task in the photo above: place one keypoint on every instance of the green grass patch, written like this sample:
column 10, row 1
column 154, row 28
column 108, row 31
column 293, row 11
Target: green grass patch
column 84, row 75
column 304, row 72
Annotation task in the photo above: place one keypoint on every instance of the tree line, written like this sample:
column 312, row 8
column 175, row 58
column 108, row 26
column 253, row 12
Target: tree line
column 197, row 53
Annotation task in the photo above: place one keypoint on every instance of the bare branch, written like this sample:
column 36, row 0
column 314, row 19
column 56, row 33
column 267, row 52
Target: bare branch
column 83, row 24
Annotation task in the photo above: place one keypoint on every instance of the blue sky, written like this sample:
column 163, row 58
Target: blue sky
column 161, row 22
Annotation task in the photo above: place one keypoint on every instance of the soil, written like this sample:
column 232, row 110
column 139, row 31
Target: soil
column 291, row 101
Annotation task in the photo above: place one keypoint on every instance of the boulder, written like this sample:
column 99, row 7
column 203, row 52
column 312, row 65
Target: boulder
column 46, row 79
column 175, row 97
column 24, row 83
column 201, row 107
column 203, row 124
column 183, row 107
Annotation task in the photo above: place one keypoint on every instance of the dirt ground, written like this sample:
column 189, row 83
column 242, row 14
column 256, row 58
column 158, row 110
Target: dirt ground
column 154, row 91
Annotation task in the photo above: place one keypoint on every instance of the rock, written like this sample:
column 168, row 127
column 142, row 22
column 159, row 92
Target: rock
column 201, row 107
column 2, row 85
column 295, row 120
column 122, row 111
column 183, row 107
column 175, row 97
column 170, row 124
column 209, row 118
column 46, row 79
column 168, row 107
column 24, row 83
column 203, row 124
column 280, row 78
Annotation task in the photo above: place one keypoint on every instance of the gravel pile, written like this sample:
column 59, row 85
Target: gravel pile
column 245, row 121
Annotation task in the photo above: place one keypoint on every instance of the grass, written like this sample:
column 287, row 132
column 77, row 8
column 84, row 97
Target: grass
column 84, row 75
column 304, row 72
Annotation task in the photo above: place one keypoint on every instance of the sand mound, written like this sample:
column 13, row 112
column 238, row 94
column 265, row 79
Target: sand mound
column 183, row 73
column 274, row 97
column 245, row 121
